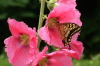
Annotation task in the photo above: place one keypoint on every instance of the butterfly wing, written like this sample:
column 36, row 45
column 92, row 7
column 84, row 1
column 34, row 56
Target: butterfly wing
column 67, row 30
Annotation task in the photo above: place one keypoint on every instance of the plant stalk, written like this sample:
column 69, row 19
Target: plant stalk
column 41, row 19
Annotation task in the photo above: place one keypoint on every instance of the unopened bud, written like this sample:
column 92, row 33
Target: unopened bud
column 51, row 4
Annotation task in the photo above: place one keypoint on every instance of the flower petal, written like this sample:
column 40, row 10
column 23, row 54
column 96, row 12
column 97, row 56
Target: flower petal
column 22, row 56
column 17, row 28
column 11, row 44
column 39, row 56
column 58, row 59
column 72, row 2
column 76, row 50
column 50, row 36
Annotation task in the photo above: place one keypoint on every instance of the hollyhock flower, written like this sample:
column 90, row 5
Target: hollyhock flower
column 21, row 47
column 62, row 14
column 57, row 58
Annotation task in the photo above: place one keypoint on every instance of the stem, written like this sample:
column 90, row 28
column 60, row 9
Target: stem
column 41, row 19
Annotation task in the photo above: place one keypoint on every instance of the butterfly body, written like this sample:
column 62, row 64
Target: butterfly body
column 66, row 30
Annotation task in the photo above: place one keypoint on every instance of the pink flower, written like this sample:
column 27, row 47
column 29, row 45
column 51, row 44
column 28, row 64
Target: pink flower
column 21, row 47
column 57, row 58
column 63, row 14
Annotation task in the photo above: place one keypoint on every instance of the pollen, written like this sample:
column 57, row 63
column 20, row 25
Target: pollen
column 43, row 62
column 52, row 22
column 24, row 39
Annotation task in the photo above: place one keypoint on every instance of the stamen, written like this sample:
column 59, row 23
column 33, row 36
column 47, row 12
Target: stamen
column 43, row 62
column 24, row 39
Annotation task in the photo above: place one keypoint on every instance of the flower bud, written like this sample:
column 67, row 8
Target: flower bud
column 51, row 4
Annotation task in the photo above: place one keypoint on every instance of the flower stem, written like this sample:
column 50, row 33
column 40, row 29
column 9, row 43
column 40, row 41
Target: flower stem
column 41, row 19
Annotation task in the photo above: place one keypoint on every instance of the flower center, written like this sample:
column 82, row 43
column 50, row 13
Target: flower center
column 52, row 22
column 43, row 62
column 24, row 39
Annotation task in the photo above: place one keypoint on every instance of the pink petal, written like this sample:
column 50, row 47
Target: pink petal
column 39, row 56
column 11, row 44
column 17, row 28
column 76, row 50
column 50, row 36
column 75, row 36
column 22, row 56
column 58, row 59
column 72, row 2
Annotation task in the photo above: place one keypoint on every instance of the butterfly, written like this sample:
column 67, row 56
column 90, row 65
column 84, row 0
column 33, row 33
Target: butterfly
column 66, row 30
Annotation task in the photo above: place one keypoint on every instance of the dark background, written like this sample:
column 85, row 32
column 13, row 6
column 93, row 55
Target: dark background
column 28, row 11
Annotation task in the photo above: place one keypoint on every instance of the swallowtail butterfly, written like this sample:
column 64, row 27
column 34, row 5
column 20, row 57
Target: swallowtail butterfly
column 66, row 30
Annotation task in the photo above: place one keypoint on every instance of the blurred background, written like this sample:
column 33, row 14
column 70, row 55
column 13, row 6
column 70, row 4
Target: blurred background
column 28, row 11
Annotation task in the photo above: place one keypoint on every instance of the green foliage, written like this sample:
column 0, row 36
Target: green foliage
column 17, row 9
column 95, row 61
column 5, row 4
column 4, row 62
column 19, row 3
